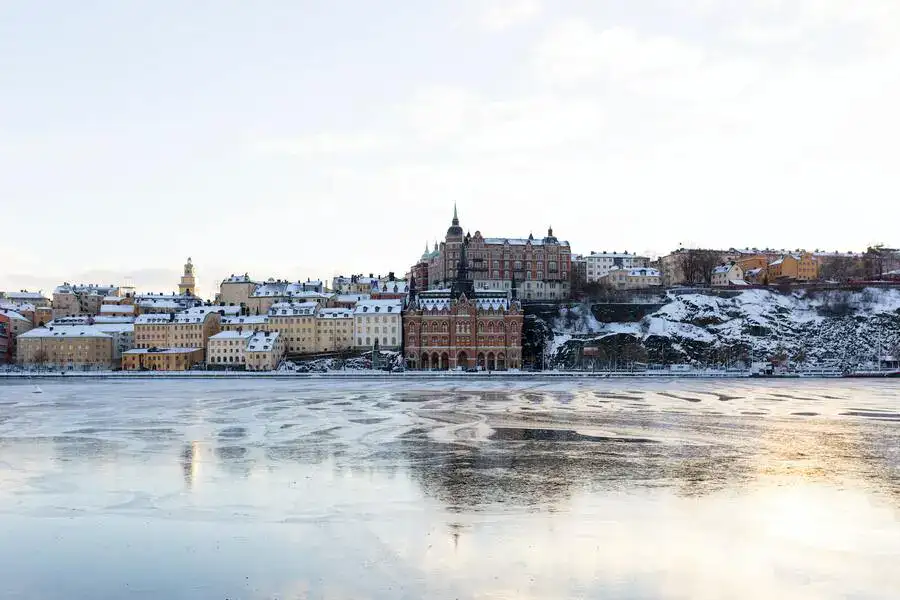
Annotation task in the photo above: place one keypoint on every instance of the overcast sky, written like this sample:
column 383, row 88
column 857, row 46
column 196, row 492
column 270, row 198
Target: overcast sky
column 297, row 139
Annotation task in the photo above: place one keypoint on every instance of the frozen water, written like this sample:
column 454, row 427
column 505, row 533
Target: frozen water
column 449, row 489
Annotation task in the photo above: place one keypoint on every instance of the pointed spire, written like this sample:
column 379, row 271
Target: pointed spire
column 455, row 217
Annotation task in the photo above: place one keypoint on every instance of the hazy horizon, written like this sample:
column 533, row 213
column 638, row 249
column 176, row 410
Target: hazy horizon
column 310, row 139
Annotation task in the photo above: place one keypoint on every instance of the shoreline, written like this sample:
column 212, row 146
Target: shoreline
column 435, row 376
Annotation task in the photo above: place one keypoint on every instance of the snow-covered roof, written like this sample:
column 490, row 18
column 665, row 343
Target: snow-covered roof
column 238, row 279
column 152, row 319
column 753, row 272
column 18, row 306
column 378, row 307
column 635, row 272
column 345, row 298
column 161, row 350
column 293, row 308
column 285, row 289
column 442, row 299
column 104, row 319
column 214, row 308
column 737, row 282
column 723, row 269
column 25, row 296
column 231, row 335
column 114, row 327
column 116, row 308
column 246, row 320
column 262, row 341
column 69, row 331
column 335, row 313
column 776, row 262
column 159, row 303
column 89, row 288
column 13, row 315
column 113, row 299
column 521, row 241
column 612, row 255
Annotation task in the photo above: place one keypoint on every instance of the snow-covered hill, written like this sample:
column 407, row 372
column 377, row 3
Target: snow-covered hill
column 843, row 328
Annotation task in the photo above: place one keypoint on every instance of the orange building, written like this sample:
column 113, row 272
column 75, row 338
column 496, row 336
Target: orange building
column 795, row 267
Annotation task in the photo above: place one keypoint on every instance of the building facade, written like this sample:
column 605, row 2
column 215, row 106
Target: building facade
column 228, row 348
column 72, row 300
column 598, row 264
column 462, row 327
column 188, row 284
column 189, row 329
column 540, row 267
column 632, row 279
column 265, row 351
column 296, row 321
column 334, row 330
column 794, row 267
column 161, row 359
column 729, row 274
column 378, row 322
column 75, row 347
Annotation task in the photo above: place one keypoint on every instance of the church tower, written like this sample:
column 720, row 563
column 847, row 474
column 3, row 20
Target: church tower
column 187, row 286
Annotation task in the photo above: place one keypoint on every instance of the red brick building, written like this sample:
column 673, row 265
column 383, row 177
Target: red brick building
column 463, row 327
column 539, row 267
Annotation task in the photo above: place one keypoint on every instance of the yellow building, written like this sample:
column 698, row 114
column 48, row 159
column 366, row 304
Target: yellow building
column 188, row 285
column 632, row 279
column 237, row 290
column 794, row 267
column 250, row 323
column 188, row 329
column 334, row 329
column 162, row 359
column 80, row 346
column 227, row 348
column 756, row 261
column 264, row 351
column 297, row 324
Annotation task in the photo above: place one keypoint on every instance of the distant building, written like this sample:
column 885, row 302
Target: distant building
column 251, row 322
column 631, row 279
column 378, row 322
column 165, row 303
column 277, row 291
column 265, row 351
column 161, row 359
column 7, row 353
column 228, row 348
column 72, row 300
column 24, row 296
column 757, row 276
column 462, row 327
column 729, row 274
column 237, row 290
column 598, row 264
column 349, row 300
column 188, row 329
column 296, row 321
column 794, row 267
column 354, row 284
column 390, row 288
column 539, row 267
column 188, row 285
column 334, row 329
column 79, row 346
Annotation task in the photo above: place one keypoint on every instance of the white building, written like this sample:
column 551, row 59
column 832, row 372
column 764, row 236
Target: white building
column 729, row 274
column 265, row 349
column 378, row 320
column 228, row 348
column 632, row 279
column 598, row 264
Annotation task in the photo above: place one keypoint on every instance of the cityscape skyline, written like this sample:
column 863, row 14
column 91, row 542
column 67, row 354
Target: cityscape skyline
column 309, row 139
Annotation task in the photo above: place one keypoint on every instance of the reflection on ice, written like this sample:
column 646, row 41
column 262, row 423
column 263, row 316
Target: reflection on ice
column 493, row 489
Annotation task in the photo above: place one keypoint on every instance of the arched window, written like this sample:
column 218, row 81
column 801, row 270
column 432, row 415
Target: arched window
column 480, row 327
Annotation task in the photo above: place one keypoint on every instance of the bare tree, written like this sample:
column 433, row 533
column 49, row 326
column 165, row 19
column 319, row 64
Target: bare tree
column 697, row 265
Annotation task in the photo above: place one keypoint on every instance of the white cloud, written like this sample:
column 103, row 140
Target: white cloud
column 574, row 51
column 497, row 15
column 323, row 144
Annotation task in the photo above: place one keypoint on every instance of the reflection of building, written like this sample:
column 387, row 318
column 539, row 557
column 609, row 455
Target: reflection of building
column 462, row 326
column 540, row 267
column 65, row 347
column 188, row 286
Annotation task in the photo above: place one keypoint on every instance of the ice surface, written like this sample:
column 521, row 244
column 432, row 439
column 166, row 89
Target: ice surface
column 449, row 489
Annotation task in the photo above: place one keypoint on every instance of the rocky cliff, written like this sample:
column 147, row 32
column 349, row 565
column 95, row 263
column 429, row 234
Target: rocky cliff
column 838, row 328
